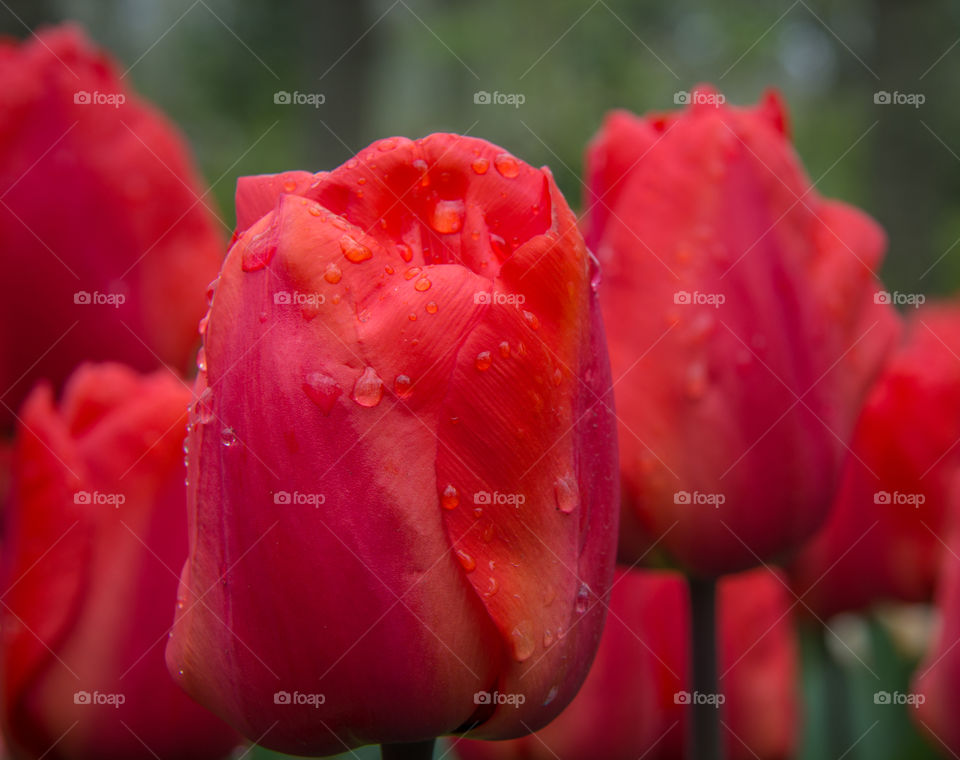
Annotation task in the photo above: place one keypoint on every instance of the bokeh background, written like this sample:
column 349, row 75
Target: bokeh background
column 413, row 66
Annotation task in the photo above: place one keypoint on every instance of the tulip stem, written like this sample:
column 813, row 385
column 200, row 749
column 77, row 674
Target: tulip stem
column 703, row 741
column 414, row 751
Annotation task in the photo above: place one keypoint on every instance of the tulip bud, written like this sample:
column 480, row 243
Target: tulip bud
column 744, row 327
column 882, row 540
column 402, row 471
column 108, row 239
column 94, row 534
column 637, row 696
column 934, row 699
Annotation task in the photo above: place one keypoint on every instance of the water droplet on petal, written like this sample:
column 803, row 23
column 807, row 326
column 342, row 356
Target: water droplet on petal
column 468, row 562
column 368, row 390
column 322, row 390
column 411, row 273
column 402, row 386
column 412, row 317
column 422, row 284
column 227, row 437
column 532, row 320
column 522, row 640
column 480, row 165
column 204, row 406
column 333, row 274
column 449, row 499
column 493, row 586
column 405, row 253
column 483, row 361
column 431, row 308
column 354, row 251
column 388, row 144
column 504, row 350
column 551, row 695
column 447, row 217
column 566, row 493
column 289, row 186
column 201, row 359
column 583, row 597
column 507, row 165
column 202, row 327
column 547, row 638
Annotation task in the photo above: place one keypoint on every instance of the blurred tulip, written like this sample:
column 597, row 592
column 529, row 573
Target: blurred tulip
column 632, row 703
column 96, row 527
column 882, row 540
column 934, row 701
column 107, row 244
column 403, row 478
column 743, row 330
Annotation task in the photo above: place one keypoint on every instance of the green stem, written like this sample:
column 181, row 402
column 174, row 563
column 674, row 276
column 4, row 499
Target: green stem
column 414, row 751
column 703, row 740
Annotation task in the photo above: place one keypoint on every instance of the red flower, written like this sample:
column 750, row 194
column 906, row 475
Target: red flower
column 743, row 330
column 403, row 464
column 934, row 700
column 107, row 245
column 631, row 704
column 882, row 539
column 94, row 535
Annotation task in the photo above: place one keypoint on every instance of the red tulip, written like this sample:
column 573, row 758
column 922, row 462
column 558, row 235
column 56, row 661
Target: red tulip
column 402, row 470
column 108, row 246
column 743, row 330
column 934, row 700
column 882, row 539
column 95, row 531
column 631, row 703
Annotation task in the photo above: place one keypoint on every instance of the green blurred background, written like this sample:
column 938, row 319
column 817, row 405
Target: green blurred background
column 412, row 66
